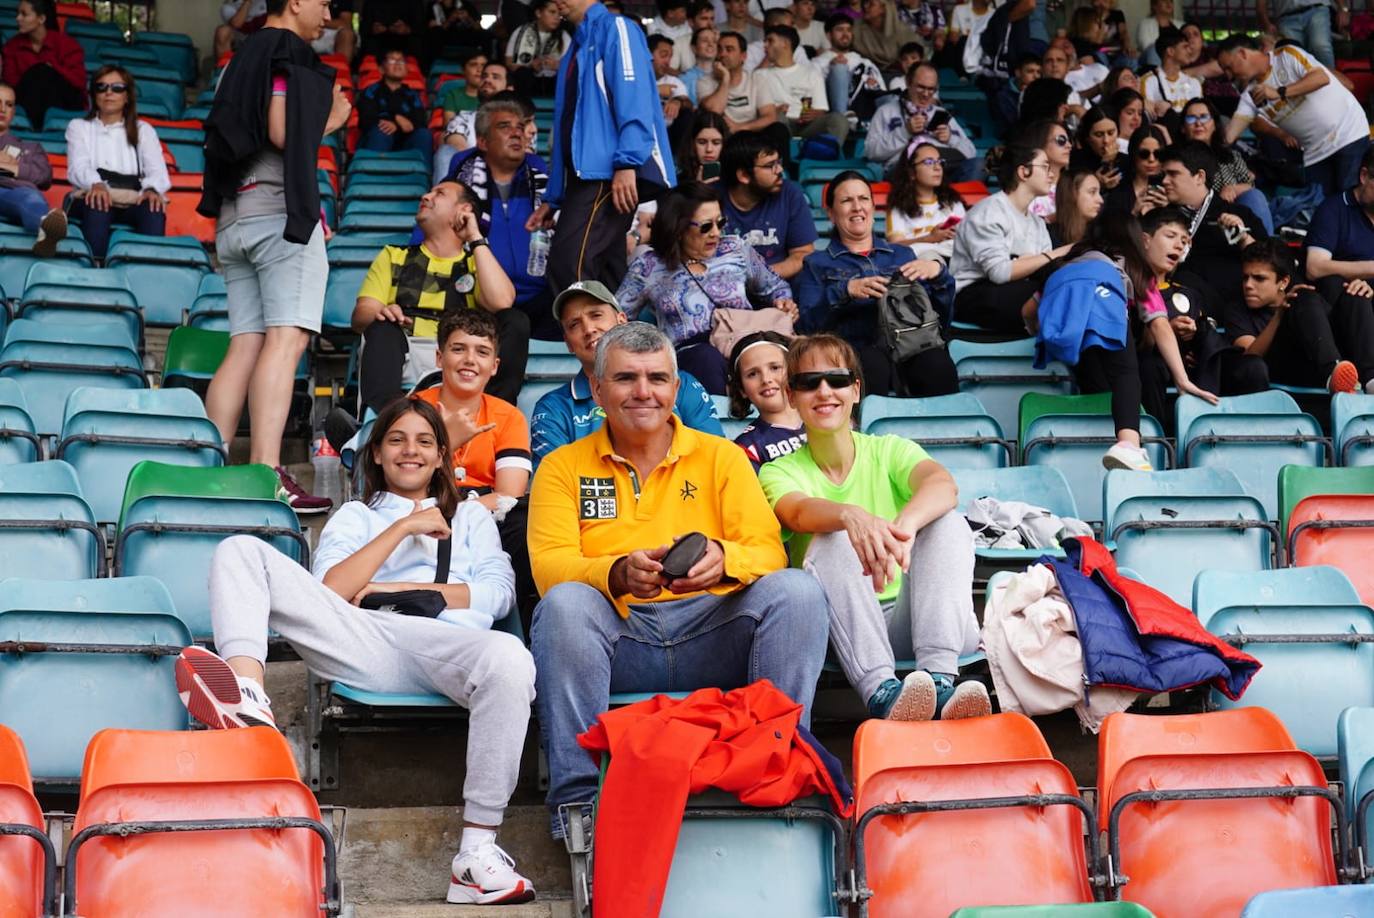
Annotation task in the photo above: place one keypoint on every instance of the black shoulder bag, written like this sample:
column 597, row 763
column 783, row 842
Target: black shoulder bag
column 424, row 603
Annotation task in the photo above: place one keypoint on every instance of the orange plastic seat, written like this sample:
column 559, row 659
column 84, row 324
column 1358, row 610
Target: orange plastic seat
column 132, row 776
column 21, row 859
column 56, row 193
column 1130, row 736
column 182, row 218
column 1348, row 548
column 970, row 192
column 1207, row 858
column 931, row 863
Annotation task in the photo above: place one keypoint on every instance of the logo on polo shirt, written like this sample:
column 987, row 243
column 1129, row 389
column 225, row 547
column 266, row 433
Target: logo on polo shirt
column 596, row 498
column 689, row 491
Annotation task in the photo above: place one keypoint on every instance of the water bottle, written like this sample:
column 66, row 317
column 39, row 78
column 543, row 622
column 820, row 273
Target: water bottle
column 539, row 253
column 328, row 471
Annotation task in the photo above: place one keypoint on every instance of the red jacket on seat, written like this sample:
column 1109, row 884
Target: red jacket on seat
column 748, row 741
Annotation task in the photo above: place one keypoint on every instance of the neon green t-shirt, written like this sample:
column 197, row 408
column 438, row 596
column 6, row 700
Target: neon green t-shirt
column 879, row 482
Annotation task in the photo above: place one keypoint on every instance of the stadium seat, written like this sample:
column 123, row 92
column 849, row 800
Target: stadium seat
column 1253, row 435
column 340, row 295
column 1289, row 586
column 1327, row 516
column 1084, row 910
column 550, row 360
column 953, row 429
column 1180, row 854
column 164, row 276
column 282, row 863
column 1071, row 432
column 1000, row 374
column 1038, row 485
column 210, row 310
column 28, row 863
column 16, row 257
column 1345, row 901
column 532, row 391
column 174, row 517
column 106, row 432
column 1355, row 750
column 174, row 50
column 70, row 293
column 182, row 217
column 49, row 360
column 914, row 844
column 95, row 654
column 1352, row 428
column 45, row 524
column 1163, row 524
column 19, row 441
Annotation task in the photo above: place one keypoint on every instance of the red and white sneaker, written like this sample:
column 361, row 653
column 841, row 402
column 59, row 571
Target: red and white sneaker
column 301, row 500
column 217, row 696
column 486, row 876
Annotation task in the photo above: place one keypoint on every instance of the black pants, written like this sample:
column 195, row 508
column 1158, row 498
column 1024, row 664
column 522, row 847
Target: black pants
column 96, row 224
column 1117, row 372
column 996, row 307
column 513, row 530
column 530, row 84
column 1237, row 373
column 1320, row 329
column 589, row 242
column 385, row 346
column 700, row 357
column 928, row 373
column 42, row 88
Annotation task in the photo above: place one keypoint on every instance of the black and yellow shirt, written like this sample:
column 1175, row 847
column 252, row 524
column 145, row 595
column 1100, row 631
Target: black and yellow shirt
column 422, row 284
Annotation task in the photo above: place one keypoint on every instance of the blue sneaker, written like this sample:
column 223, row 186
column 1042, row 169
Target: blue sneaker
column 911, row 699
column 956, row 702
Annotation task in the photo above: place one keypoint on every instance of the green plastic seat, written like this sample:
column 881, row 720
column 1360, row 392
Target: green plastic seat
column 1299, row 481
column 1037, row 404
column 1087, row 910
column 159, row 478
column 193, row 354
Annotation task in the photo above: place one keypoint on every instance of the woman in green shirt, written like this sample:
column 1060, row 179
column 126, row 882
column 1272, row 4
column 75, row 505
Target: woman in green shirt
column 873, row 519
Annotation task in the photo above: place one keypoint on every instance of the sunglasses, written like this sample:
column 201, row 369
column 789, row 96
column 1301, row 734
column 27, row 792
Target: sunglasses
column 705, row 226
column 1146, row 154
column 112, row 87
column 930, row 161
column 810, row 382
column 1197, row 119
column 1061, row 140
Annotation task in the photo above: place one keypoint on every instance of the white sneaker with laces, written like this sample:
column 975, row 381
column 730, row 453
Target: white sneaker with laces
column 1125, row 456
column 217, row 696
column 486, row 875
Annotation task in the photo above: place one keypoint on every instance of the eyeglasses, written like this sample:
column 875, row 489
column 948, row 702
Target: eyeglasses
column 112, row 87
column 1197, row 119
column 704, row 226
column 925, row 89
column 930, row 161
column 1143, row 153
column 1061, row 140
column 810, row 382
column 774, row 165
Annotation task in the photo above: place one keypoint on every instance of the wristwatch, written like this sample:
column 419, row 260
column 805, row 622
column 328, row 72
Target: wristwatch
column 476, row 244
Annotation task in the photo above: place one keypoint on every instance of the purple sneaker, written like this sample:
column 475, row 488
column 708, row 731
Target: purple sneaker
column 301, row 500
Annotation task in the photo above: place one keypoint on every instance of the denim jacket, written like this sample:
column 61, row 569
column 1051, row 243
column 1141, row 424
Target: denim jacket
column 823, row 294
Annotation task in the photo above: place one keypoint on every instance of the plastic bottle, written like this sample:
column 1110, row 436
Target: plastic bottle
column 328, row 471
column 539, row 253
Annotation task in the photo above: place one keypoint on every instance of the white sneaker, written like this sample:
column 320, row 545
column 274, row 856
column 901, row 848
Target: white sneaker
column 1125, row 456
column 917, row 698
column 51, row 231
column 486, row 875
column 217, row 696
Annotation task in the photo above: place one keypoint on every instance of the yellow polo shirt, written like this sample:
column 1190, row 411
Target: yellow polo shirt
column 589, row 507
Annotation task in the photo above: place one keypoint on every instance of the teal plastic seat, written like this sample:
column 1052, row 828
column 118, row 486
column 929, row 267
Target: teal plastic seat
column 1000, row 380
column 1082, row 910
column 554, row 366
column 1074, row 444
column 1352, row 427
column 953, row 429
column 164, row 285
column 1342, row 901
column 16, row 258
column 19, row 441
column 1040, row 486
column 56, row 701
column 340, row 295
column 358, row 206
column 1355, row 747
column 375, row 222
column 65, row 292
column 49, row 360
column 1254, row 435
column 533, row 390
column 45, row 524
column 1307, row 685
column 1292, row 586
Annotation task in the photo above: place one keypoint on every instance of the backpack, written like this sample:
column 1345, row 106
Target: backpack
column 907, row 320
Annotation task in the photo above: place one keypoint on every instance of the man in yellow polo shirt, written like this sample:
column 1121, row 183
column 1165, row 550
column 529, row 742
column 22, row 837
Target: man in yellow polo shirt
column 604, row 512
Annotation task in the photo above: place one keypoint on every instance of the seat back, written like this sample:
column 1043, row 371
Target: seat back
column 884, row 744
column 1352, row 427
column 47, row 367
column 1083, row 910
column 163, row 290
column 193, row 355
column 21, row 859
column 1210, row 857
column 1120, row 484
column 52, row 533
column 950, row 440
column 1297, row 482
column 19, row 440
column 1129, row 736
column 1307, row 685
column 999, row 383
column 1074, row 444
column 1355, row 751
column 1345, row 548
column 1039, row 485
column 873, row 408
column 1319, row 900
column 1290, row 586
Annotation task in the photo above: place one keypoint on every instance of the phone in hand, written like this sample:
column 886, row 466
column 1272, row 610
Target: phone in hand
column 951, row 222
column 938, row 119
column 710, row 171
column 1156, row 180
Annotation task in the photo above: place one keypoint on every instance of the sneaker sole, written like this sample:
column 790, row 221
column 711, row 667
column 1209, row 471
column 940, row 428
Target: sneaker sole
column 916, row 701
column 1112, row 462
column 461, row 894
column 285, row 497
column 1345, row 378
column 210, row 691
column 970, row 699
column 54, row 230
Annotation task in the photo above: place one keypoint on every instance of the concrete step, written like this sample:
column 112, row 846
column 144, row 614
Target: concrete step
column 543, row 908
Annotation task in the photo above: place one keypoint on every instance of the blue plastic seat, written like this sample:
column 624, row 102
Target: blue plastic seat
column 1343, row 901
column 1308, row 684
column 999, row 381
column 164, row 276
column 554, row 366
column 1291, row 586
column 1037, row 485
column 340, row 295
column 174, row 50
column 1254, row 435
column 1355, row 748
column 65, row 292
column 45, row 525
column 107, row 432
column 48, row 361
column 16, row 258
column 1074, row 444
column 57, row 701
column 1352, row 428
column 377, row 222
column 532, row 391
column 19, row 441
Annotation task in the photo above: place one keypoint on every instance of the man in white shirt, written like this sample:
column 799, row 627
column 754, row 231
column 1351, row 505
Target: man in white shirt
column 757, row 58
column 966, row 24
column 748, row 101
column 704, row 44
column 1055, row 66
column 1167, row 88
column 671, row 90
column 812, row 30
column 672, row 22
column 800, row 89
column 1289, row 89
column 739, row 18
column 852, row 82
column 917, row 114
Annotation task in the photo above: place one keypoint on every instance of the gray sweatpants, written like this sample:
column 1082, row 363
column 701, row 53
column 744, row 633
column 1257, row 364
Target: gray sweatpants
column 933, row 613
column 254, row 587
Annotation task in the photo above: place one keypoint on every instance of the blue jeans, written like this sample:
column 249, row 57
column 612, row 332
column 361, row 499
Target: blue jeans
column 776, row 628
column 1310, row 27
column 418, row 139
column 1259, row 206
column 25, row 206
column 837, row 87
column 1341, row 170
column 97, row 224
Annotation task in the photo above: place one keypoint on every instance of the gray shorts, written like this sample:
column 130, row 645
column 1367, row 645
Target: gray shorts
column 271, row 282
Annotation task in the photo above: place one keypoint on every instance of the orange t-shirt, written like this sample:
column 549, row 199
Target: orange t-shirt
column 506, row 447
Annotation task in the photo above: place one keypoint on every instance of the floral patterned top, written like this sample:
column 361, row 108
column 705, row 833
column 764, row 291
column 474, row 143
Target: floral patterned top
column 682, row 303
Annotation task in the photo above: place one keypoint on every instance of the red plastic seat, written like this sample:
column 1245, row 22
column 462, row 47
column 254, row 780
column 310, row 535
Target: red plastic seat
column 21, row 859
column 1348, row 549
column 935, row 862
column 970, row 192
column 182, row 218
column 134, row 775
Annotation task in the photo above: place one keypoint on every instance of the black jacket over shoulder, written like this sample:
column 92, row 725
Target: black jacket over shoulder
column 236, row 130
